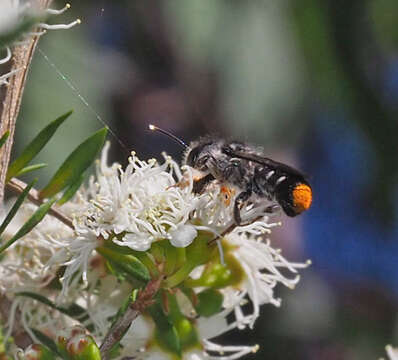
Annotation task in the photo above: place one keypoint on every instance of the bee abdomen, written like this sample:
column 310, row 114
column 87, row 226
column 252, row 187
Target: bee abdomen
column 295, row 196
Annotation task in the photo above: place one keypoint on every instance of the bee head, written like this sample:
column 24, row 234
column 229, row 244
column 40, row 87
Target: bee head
column 198, row 153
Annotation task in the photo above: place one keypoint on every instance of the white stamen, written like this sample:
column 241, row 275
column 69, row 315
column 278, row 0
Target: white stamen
column 58, row 12
column 60, row 26
column 7, row 57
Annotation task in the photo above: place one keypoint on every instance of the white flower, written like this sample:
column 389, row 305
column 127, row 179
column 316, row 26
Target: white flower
column 134, row 208
column 183, row 235
column 261, row 264
column 392, row 352
column 142, row 204
column 12, row 15
column 25, row 264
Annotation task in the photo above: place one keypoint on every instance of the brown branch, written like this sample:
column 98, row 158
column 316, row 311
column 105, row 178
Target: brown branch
column 17, row 186
column 22, row 57
column 115, row 334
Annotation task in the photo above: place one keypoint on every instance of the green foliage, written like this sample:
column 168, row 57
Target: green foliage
column 74, row 310
column 30, row 168
column 89, row 351
column 46, row 341
column 128, row 263
column 76, row 163
column 4, row 138
column 71, row 190
column 16, row 206
column 209, row 302
column 37, row 216
column 166, row 334
column 185, row 328
column 216, row 275
column 35, row 147
column 196, row 254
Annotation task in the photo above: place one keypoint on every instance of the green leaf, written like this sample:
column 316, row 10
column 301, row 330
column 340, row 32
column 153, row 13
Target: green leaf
column 123, row 308
column 140, row 255
column 185, row 329
column 74, row 311
column 209, row 302
column 71, row 190
column 165, row 333
column 16, row 206
column 37, row 216
column 4, row 138
column 35, row 146
column 129, row 263
column 45, row 340
column 30, row 168
column 76, row 163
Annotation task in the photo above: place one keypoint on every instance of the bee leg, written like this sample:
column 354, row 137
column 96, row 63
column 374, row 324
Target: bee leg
column 199, row 185
column 272, row 209
column 240, row 199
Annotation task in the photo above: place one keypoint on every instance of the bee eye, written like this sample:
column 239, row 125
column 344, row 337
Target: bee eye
column 193, row 156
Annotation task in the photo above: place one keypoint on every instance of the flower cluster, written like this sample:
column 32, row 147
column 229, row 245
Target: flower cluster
column 16, row 18
column 139, row 224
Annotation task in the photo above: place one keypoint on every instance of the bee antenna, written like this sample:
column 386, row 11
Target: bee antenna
column 170, row 135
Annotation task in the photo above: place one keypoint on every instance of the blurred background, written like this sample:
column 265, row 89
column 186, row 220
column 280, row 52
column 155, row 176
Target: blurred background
column 314, row 82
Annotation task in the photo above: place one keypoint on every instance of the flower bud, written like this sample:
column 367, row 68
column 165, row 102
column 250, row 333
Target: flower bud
column 76, row 344
column 65, row 335
column 83, row 347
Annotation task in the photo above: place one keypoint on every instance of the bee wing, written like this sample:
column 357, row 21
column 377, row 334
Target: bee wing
column 264, row 161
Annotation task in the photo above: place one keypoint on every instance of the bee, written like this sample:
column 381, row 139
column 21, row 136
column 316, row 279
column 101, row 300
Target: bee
column 245, row 167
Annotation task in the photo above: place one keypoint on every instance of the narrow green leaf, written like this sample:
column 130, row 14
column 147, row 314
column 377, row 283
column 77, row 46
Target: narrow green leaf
column 140, row 255
column 16, row 206
column 35, row 146
column 4, row 138
column 76, row 163
column 71, row 190
column 74, row 311
column 37, row 297
column 165, row 333
column 129, row 263
column 37, row 216
column 46, row 341
column 125, row 304
column 30, row 168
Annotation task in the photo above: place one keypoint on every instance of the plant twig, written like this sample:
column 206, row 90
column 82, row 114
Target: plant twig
column 17, row 186
column 115, row 334
column 9, row 108
column 22, row 57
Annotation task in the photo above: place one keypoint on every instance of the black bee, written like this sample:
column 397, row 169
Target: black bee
column 246, row 167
